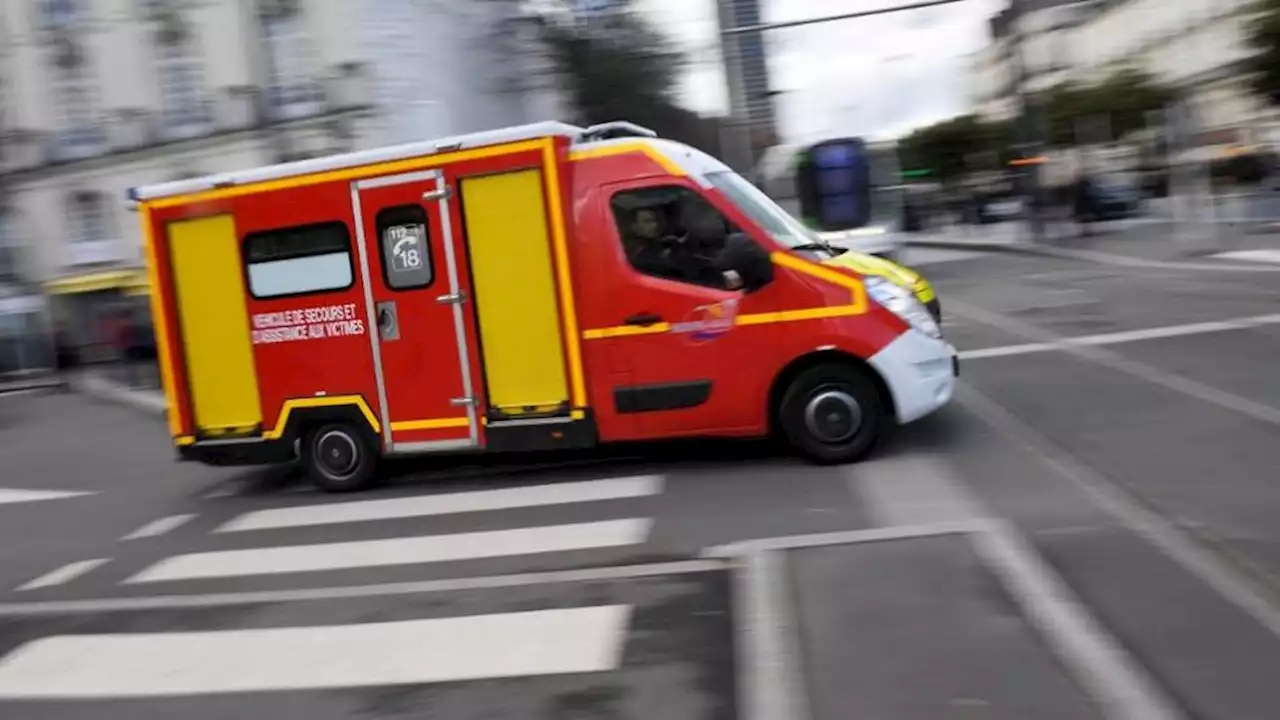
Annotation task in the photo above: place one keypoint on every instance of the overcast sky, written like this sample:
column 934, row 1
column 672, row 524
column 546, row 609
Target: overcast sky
column 876, row 76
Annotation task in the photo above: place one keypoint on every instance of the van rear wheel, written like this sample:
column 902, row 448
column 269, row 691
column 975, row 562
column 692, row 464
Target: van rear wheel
column 832, row 414
column 339, row 458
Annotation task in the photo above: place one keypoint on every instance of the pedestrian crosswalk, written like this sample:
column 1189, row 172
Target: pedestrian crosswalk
column 279, row 543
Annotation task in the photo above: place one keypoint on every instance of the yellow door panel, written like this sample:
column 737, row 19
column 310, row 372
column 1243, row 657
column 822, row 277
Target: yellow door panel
column 515, row 290
column 215, row 324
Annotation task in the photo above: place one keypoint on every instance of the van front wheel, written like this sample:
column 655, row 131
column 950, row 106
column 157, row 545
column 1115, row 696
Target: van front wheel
column 338, row 458
column 832, row 414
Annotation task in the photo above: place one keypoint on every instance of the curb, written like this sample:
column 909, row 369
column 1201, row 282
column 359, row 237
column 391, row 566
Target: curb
column 19, row 389
column 1091, row 256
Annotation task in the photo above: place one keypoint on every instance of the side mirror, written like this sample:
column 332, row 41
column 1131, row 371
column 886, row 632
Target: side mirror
column 749, row 261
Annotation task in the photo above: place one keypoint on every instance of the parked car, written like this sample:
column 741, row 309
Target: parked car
column 1114, row 202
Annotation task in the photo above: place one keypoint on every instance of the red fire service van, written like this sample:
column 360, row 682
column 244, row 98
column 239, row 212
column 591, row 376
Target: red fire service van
column 536, row 287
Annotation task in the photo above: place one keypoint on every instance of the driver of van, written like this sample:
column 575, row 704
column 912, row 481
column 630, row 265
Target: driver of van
column 701, row 251
column 688, row 257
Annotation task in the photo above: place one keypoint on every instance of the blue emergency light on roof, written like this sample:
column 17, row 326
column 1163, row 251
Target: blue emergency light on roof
column 615, row 129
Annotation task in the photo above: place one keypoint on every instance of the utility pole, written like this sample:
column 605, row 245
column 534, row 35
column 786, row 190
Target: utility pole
column 1030, row 141
column 742, row 126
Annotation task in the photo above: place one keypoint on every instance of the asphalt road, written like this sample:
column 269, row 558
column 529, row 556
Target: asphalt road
column 1140, row 466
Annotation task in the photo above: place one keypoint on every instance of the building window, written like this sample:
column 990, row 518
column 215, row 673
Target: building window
column 59, row 13
column 74, row 98
column 88, row 217
column 181, row 76
column 292, row 87
column 299, row 260
column 8, row 249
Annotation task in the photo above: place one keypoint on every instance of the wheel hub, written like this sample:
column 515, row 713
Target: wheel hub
column 337, row 453
column 833, row 416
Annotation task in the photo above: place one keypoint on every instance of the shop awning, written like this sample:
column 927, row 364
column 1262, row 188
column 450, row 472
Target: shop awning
column 131, row 282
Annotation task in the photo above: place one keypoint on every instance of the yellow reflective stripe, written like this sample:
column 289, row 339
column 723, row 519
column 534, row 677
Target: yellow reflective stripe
column 857, row 303
column 337, row 400
column 430, row 424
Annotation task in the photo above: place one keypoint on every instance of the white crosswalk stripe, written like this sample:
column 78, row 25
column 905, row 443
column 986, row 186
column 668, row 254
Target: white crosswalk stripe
column 15, row 495
column 398, row 551
column 464, row 502
column 1268, row 256
column 139, row 665
column 266, row 543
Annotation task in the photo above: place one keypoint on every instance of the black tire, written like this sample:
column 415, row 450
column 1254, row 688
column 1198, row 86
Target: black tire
column 829, row 430
column 339, row 458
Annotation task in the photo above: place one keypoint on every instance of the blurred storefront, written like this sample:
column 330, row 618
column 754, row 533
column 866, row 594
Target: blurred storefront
column 26, row 345
column 86, row 307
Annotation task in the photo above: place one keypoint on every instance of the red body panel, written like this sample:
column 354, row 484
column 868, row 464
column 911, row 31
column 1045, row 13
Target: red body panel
column 741, row 363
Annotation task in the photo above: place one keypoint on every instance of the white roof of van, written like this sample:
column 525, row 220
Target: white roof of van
column 356, row 159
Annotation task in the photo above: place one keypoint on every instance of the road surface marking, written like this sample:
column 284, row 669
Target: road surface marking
column 912, row 489
column 126, row 665
column 1119, row 685
column 768, row 646
column 1264, row 256
column 1126, row 336
column 1174, row 542
column 1113, row 679
column 45, row 608
column 160, row 526
column 1170, row 381
column 463, row 502
column 13, row 495
column 224, row 490
column 64, row 574
column 398, row 551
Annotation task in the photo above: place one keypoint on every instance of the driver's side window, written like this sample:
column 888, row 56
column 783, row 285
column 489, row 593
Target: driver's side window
column 671, row 232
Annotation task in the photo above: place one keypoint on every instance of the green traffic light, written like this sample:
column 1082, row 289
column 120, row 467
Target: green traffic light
column 916, row 173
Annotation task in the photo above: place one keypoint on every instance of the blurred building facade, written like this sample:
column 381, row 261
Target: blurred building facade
column 1192, row 46
column 1040, row 35
column 751, row 99
column 103, row 95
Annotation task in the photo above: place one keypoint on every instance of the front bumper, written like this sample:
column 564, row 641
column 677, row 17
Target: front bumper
column 920, row 371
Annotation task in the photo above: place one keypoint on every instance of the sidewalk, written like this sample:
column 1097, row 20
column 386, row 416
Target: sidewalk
column 94, row 384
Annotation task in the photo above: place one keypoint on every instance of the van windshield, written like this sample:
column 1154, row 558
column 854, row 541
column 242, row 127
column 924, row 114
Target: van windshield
column 764, row 211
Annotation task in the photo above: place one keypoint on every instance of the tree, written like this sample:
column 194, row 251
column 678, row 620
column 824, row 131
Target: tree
column 1263, row 36
column 621, row 68
column 953, row 147
column 1121, row 102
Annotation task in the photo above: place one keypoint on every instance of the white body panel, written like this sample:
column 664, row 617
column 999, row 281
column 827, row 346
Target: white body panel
column 919, row 372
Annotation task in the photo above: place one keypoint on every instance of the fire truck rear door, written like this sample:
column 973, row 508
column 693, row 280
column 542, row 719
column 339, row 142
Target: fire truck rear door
column 212, row 314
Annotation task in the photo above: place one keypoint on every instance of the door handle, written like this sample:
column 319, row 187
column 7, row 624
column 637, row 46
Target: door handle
column 388, row 328
column 643, row 319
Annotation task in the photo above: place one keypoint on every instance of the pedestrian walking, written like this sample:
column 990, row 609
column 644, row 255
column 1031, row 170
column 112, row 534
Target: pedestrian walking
column 1082, row 205
column 66, row 358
